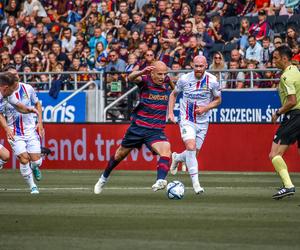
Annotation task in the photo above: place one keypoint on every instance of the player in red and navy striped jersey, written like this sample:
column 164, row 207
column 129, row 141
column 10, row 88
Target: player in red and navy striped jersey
column 147, row 123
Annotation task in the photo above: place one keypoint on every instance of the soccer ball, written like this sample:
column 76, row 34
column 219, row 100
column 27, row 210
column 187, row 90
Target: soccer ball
column 175, row 190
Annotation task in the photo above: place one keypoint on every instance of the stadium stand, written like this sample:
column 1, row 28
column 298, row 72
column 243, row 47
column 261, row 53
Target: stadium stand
column 78, row 35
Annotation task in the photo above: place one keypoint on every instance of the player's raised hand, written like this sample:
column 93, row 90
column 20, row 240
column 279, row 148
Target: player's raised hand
column 148, row 69
column 200, row 110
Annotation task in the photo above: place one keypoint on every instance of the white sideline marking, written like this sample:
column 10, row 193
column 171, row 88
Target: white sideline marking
column 115, row 188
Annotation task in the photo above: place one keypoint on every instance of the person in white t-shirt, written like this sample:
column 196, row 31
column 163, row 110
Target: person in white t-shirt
column 201, row 93
column 21, row 131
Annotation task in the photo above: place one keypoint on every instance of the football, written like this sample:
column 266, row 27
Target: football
column 175, row 190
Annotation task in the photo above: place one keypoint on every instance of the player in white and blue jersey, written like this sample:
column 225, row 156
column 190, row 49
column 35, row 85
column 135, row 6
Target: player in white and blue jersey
column 201, row 93
column 23, row 133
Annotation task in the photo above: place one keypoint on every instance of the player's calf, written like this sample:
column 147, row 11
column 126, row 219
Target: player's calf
column 35, row 166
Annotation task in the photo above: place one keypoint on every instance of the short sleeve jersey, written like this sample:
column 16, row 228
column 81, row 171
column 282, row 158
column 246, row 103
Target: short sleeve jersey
column 290, row 85
column 196, row 92
column 152, row 109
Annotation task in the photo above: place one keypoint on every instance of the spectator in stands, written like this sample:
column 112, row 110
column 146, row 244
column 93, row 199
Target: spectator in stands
column 132, row 62
column 277, row 41
column 292, row 36
column 164, row 54
column 21, row 43
column 5, row 61
column 216, row 7
column 12, row 8
column 8, row 43
column 231, row 8
column 34, row 9
column 192, row 51
column 275, row 7
column 260, row 5
column 91, row 23
column 115, row 62
column 134, row 41
column 251, row 64
column 101, row 56
column 215, row 30
column 18, row 61
column 235, row 80
column 262, row 28
column 150, row 38
column 125, row 21
column 174, row 76
column 235, row 56
column 205, row 42
column 10, row 26
column 61, row 57
column 149, row 58
column 254, row 51
column 95, row 39
column 267, row 50
column 185, row 15
column 51, row 62
column 39, row 29
column 187, row 34
column 268, row 80
column 218, row 63
column 138, row 24
column 30, row 39
column 296, row 53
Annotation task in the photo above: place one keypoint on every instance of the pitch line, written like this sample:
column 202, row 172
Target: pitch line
column 117, row 188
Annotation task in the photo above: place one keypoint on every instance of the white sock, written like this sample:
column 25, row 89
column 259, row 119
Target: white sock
column 37, row 163
column 181, row 157
column 192, row 165
column 2, row 162
column 26, row 172
column 103, row 179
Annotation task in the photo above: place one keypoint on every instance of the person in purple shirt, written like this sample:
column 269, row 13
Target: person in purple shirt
column 147, row 123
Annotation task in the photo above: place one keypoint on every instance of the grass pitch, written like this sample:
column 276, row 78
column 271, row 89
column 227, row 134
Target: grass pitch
column 236, row 212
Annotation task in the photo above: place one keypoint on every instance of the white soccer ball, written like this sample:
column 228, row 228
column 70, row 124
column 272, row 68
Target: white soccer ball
column 175, row 190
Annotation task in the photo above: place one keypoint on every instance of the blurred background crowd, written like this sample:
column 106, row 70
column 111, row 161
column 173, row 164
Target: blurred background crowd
column 122, row 36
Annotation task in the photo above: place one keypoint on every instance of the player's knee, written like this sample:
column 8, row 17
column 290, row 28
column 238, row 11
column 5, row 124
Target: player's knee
column 24, row 158
column 5, row 155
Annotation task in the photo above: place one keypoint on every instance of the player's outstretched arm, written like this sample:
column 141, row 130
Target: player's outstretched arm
column 136, row 76
column 172, row 100
column 8, row 131
column 24, row 109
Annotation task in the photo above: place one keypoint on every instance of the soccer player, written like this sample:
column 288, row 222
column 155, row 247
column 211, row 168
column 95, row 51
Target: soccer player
column 21, row 132
column 201, row 93
column 289, row 130
column 147, row 124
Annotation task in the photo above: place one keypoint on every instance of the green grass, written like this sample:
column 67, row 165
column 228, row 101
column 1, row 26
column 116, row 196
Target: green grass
column 236, row 212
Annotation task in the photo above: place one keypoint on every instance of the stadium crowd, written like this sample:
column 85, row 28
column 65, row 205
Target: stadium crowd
column 122, row 36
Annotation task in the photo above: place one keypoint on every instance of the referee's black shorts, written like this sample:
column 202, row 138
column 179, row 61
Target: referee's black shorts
column 289, row 130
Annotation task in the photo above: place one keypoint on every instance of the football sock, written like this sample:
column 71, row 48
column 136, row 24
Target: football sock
column 2, row 162
column 181, row 157
column 110, row 166
column 37, row 163
column 163, row 166
column 192, row 165
column 26, row 172
column 281, row 168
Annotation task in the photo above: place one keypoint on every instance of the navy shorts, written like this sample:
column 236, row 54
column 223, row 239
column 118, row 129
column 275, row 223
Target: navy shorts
column 136, row 136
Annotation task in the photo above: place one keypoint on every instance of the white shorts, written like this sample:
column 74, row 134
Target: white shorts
column 1, row 146
column 190, row 130
column 22, row 144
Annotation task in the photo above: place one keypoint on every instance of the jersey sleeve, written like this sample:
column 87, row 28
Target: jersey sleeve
column 215, row 88
column 12, row 99
column 33, row 97
column 289, row 84
column 179, row 85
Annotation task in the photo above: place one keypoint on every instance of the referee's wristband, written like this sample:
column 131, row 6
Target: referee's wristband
column 277, row 113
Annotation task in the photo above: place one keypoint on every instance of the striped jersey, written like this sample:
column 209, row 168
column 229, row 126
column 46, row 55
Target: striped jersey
column 152, row 109
column 196, row 92
column 22, row 124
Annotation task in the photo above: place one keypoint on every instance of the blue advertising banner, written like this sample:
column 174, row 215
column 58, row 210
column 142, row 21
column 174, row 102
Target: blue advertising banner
column 243, row 106
column 73, row 110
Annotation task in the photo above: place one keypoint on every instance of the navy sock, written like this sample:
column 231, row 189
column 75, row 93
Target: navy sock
column 110, row 166
column 163, row 166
